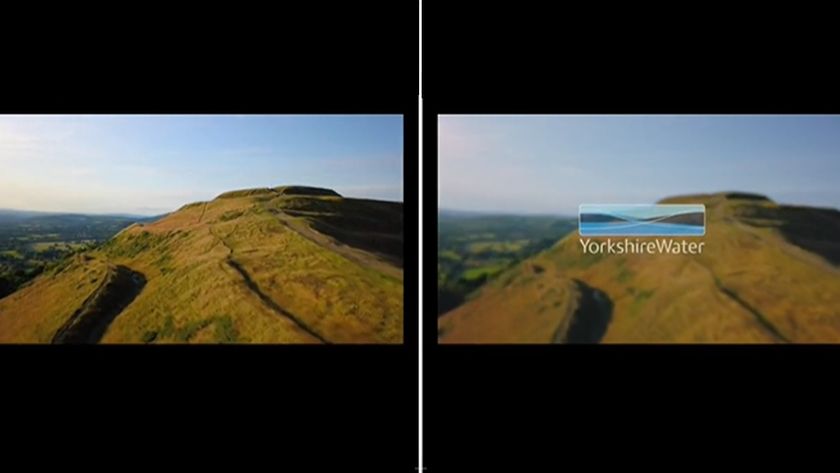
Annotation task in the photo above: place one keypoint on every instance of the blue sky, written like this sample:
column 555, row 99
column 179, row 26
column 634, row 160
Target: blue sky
column 145, row 164
column 551, row 164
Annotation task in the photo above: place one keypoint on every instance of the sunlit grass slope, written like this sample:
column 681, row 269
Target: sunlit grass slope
column 768, row 274
column 36, row 312
column 272, row 265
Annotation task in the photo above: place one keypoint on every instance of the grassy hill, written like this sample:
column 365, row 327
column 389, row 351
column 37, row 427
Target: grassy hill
column 271, row 265
column 768, row 274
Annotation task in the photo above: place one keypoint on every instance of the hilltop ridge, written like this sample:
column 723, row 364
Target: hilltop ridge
column 281, row 190
column 715, row 198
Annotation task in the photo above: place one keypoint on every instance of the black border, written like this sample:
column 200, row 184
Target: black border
column 533, row 407
column 524, row 407
column 325, row 406
column 293, row 407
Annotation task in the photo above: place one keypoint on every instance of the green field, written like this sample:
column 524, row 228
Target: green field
column 11, row 255
column 61, row 246
column 484, row 272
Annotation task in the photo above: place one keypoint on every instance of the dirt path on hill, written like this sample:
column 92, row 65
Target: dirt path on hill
column 88, row 324
column 590, row 320
column 263, row 297
column 203, row 209
column 758, row 316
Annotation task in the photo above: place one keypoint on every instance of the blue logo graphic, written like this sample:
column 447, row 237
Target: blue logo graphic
column 642, row 220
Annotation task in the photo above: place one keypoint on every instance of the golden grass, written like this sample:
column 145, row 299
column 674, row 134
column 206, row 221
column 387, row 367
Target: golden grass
column 529, row 310
column 34, row 313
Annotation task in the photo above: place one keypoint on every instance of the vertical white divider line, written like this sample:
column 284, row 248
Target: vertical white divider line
column 420, row 466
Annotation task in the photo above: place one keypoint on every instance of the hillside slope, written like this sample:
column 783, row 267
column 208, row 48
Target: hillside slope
column 273, row 265
column 768, row 274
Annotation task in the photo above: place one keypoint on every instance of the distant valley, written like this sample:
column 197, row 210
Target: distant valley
column 31, row 242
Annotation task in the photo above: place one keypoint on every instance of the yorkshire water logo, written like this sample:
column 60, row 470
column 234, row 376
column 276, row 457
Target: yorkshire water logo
column 673, row 220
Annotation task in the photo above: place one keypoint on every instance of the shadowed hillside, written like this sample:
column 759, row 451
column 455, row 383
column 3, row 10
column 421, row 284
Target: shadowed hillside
column 274, row 265
column 768, row 274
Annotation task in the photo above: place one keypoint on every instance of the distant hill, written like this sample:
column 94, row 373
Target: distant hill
column 10, row 215
column 769, row 274
column 461, row 214
column 273, row 265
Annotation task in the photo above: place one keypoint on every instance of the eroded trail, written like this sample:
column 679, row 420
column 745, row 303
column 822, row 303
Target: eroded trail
column 264, row 298
column 89, row 323
column 203, row 210
column 590, row 320
column 270, row 302
column 757, row 315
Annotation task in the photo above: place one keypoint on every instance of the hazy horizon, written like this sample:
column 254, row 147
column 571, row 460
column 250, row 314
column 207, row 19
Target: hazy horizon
column 506, row 213
column 551, row 164
column 147, row 165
